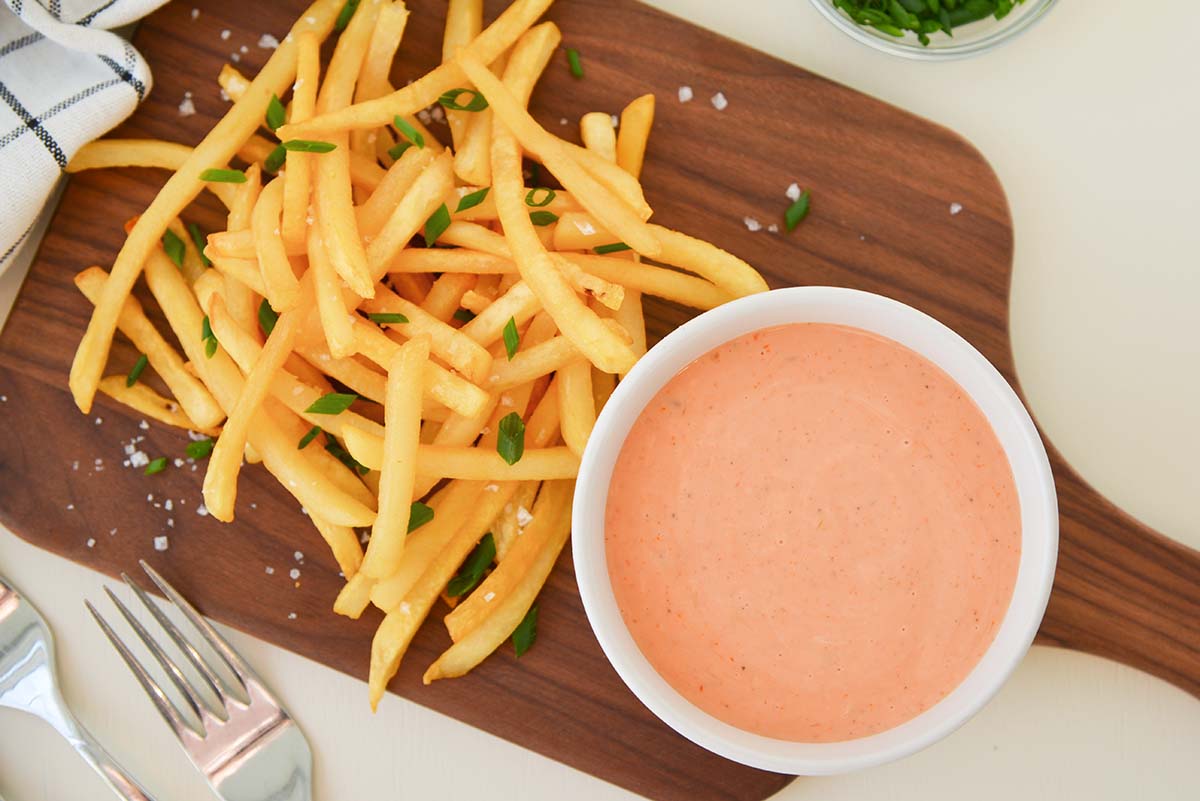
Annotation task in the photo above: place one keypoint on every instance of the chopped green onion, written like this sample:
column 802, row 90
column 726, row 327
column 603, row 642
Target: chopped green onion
column 525, row 634
column 200, row 449
column 922, row 17
column 408, row 131
column 396, row 151
column 797, row 211
column 472, row 200
column 343, row 17
column 418, row 515
column 510, row 441
column 332, row 403
column 512, row 340
column 573, row 62
column 208, row 338
column 308, row 146
column 199, row 240
column 276, row 113
column 615, row 247
column 173, row 245
column 275, row 159
column 542, row 217
column 472, row 570
column 136, row 372
column 223, row 176
column 450, row 100
column 384, row 318
column 535, row 173
column 308, row 437
column 464, row 315
column 156, row 466
column 267, row 317
column 531, row 197
column 437, row 223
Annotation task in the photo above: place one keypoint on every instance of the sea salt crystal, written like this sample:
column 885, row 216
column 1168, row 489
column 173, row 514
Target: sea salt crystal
column 91, row 543
column 793, row 192
column 225, row 35
column 270, row 570
column 488, row 598
column 299, row 557
column 170, row 522
column 143, row 424
column 405, row 608
column 955, row 208
column 168, row 504
column 161, row 543
column 130, row 448
column 294, row 573
column 268, row 42
column 99, row 420
column 492, row 488
column 719, row 101
column 424, row 117
column 585, row 227
column 438, row 114
column 75, row 465
column 685, row 94
column 752, row 224
column 291, row 615
column 186, row 107
column 243, row 49
column 773, row 228
column 150, row 498
column 564, row 121
column 225, row 95
column 195, row 13
column 616, row 120
column 234, row 57
column 112, row 532
column 138, row 459
column 202, row 510
column 254, row 506
column 196, row 436
column 70, row 507
column 523, row 517
column 178, row 462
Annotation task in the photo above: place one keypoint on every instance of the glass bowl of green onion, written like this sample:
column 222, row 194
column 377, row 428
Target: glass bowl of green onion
column 933, row 30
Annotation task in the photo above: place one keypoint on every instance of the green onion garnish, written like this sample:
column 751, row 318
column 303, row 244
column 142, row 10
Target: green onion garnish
column 464, row 315
column 472, row 200
column 275, row 159
column 797, row 211
column 922, row 17
column 276, row 113
column 471, row 571
column 418, row 515
column 436, row 225
column 200, row 449
column 384, row 318
column 573, row 62
column 408, row 131
column 156, row 466
column 531, row 198
column 510, row 441
column 308, row 146
column 396, row 151
column 208, row 338
column 199, row 240
column 343, row 17
column 332, row 403
column 512, row 340
column 542, row 217
column 535, row 173
column 525, row 634
column 308, row 437
column 136, row 372
column 173, row 245
column 267, row 317
column 450, row 100
column 223, row 176
column 615, row 247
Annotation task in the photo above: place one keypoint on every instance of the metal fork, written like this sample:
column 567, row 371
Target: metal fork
column 245, row 743
column 28, row 683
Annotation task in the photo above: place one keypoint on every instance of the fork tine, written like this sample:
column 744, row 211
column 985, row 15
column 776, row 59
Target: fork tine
column 219, row 644
column 215, row 683
column 190, row 696
column 163, row 704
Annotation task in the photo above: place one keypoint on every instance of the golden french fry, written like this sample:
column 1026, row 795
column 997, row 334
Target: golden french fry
column 445, row 297
column 297, row 178
column 507, row 525
column 607, row 293
column 542, row 530
column 278, row 275
column 472, row 464
column 214, row 150
column 498, row 626
column 355, row 375
column 395, row 184
column 599, row 136
column 485, row 210
column 104, row 153
column 532, row 362
column 494, row 40
column 519, row 304
column 708, row 261
column 196, row 402
column 623, row 185
column 355, row 595
column 242, row 301
column 576, row 404
column 344, row 544
column 377, row 63
column 145, row 400
column 529, row 58
column 421, row 200
column 464, row 21
column 336, row 321
column 244, row 270
column 399, row 469
column 636, row 120
column 630, row 317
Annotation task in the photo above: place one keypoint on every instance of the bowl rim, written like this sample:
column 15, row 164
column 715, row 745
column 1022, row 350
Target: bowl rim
column 967, row 366
column 1035, row 11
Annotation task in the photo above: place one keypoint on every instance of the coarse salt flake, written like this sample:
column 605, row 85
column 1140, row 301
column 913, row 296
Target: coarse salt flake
column 291, row 615
column 773, row 228
column 270, row 570
column 202, row 510
column 719, row 101
column 99, row 420
column 268, row 42
column 955, row 208
column 195, row 13
column 161, row 543
column 91, row 543
column 196, row 436
column 585, row 227
column 70, row 507
column 793, row 192
column 686, row 94
column 488, row 598
column 492, row 488
column 138, row 459
column 234, row 57
column 168, row 504
column 405, row 608
column 752, row 224
column 143, row 424
column 225, row 34
column 523, row 517
column 616, row 120
column 178, row 462
column 243, row 49
column 298, row 556
column 294, row 573
column 186, row 107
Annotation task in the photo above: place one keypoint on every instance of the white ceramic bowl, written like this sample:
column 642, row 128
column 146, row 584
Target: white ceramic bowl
column 921, row 333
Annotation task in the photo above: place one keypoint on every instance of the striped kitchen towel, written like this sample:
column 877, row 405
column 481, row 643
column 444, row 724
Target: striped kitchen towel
column 65, row 79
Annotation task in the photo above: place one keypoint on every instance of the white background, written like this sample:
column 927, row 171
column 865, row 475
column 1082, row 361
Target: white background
column 1091, row 120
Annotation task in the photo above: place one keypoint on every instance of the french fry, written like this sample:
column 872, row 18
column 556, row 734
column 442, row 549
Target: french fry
column 145, row 400
column 343, row 543
column 519, row 304
column 214, row 150
column 708, row 261
column 241, row 299
column 195, row 401
column 507, row 526
column 377, row 63
column 395, row 184
column 464, row 21
column 636, row 121
column 446, row 295
column 472, row 464
column 399, row 469
column 233, row 82
column 485, row 210
column 297, row 179
column 529, row 58
column 630, row 317
column 420, row 201
column 599, row 136
column 244, row 270
column 576, row 404
column 606, row 292
column 542, row 532
column 355, row 595
column 278, row 275
column 498, row 626
column 104, row 153
column 335, row 320
column 532, row 362
column 623, row 185
column 487, row 47
column 359, row 378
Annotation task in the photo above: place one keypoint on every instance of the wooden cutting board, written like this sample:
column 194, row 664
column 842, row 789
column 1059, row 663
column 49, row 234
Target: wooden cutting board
column 882, row 182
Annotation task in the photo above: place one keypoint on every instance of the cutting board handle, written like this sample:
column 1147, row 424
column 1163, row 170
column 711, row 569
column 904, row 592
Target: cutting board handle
column 1122, row 590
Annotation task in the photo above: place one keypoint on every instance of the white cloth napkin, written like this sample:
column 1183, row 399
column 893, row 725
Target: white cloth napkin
column 65, row 79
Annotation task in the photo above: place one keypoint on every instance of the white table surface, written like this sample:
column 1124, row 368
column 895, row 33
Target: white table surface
column 1091, row 121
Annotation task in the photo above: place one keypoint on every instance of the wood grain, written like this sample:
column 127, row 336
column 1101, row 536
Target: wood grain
column 882, row 182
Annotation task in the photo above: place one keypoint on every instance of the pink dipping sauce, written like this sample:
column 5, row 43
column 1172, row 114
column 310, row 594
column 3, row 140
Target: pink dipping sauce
column 812, row 533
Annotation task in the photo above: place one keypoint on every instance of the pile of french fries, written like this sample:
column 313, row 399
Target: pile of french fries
column 402, row 332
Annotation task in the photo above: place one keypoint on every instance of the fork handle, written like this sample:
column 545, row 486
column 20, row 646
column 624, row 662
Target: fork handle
column 121, row 783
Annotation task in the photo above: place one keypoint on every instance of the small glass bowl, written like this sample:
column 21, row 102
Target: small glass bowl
column 968, row 40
